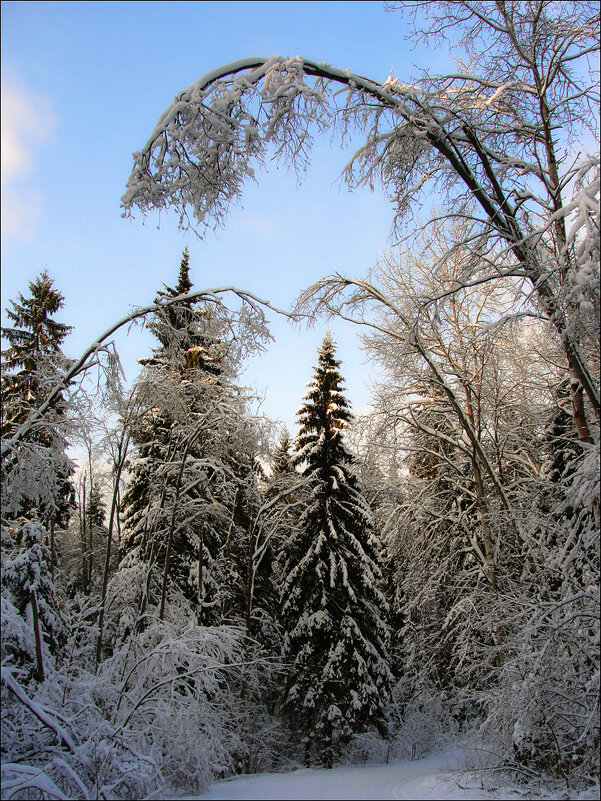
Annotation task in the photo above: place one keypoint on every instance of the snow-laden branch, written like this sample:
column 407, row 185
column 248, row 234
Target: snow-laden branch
column 328, row 294
column 21, row 778
column 86, row 359
column 36, row 709
column 482, row 150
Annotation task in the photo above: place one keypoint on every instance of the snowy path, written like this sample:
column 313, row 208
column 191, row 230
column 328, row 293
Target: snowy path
column 430, row 778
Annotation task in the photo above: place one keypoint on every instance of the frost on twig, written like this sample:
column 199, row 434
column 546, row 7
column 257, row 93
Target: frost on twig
column 470, row 138
column 203, row 147
column 252, row 306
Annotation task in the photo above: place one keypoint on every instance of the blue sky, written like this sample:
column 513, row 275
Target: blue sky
column 83, row 85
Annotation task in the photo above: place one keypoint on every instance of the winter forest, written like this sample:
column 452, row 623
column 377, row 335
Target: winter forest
column 206, row 594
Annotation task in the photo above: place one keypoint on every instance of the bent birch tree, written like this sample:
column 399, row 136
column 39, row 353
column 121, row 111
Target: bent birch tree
column 496, row 139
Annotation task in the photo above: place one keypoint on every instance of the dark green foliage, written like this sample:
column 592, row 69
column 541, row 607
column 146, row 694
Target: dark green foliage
column 37, row 476
column 332, row 605
column 562, row 453
column 189, row 333
column 184, row 284
column 26, row 570
column 560, row 440
column 34, row 338
column 191, row 494
column 281, row 463
column 285, row 499
column 95, row 507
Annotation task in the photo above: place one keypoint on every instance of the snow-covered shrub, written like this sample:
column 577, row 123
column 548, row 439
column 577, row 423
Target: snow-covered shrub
column 365, row 747
column 124, row 598
column 172, row 680
column 421, row 723
column 18, row 644
column 544, row 716
column 160, row 713
column 263, row 739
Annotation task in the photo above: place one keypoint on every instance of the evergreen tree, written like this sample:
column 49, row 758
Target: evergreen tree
column 332, row 605
column 27, row 585
column 184, row 284
column 188, row 500
column 281, row 463
column 558, row 518
column 96, row 507
column 287, row 495
column 93, row 533
column 560, row 444
column 36, row 477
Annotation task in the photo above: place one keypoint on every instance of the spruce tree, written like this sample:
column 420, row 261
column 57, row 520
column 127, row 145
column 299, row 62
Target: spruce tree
column 36, row 477
column 27, row 585
column 187, row 503
column 281, row 490
column 281, row 463
column 332, row 605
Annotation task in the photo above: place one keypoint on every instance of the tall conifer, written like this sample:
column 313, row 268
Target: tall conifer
column 332, row 605
column 32, row 364
column 192, row 471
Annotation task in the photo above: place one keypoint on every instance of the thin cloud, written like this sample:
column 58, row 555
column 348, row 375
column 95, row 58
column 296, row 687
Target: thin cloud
column 27, row 123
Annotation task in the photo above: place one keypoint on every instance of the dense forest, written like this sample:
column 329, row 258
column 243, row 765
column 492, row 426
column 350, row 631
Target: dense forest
column 205, row 594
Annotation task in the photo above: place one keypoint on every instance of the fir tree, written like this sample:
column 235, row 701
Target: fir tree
column 281, row 485
column 332, row 605
column 281, row 463
column 287, row 495
column 192, row 479
column 36, row 479
column 184, row 284
column 27, row 585
column 562, row 453
column 561, row 447
column 93, row 533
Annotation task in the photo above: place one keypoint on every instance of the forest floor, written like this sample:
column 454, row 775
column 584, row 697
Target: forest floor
column 443, row 776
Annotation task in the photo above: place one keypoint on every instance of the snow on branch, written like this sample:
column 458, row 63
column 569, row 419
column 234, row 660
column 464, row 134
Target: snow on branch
column 36, row 709
column 18, row 778
column 446, row 132
column 88, row 358
column 204, row 145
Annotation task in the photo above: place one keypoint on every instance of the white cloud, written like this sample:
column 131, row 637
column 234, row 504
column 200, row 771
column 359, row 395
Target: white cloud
column 27, row 123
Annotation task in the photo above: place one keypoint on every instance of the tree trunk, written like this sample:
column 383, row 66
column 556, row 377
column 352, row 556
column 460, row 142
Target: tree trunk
column 52, row 548
column 199, row 616
column 107, row 559
column 165, row 576
column 491, row 569
column 83, row 538
column 579, row 412
column 38, row 637
column 250, row 578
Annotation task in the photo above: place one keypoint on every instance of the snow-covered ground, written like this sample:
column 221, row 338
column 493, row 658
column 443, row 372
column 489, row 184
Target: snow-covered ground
column 441, row 777
column 437, row 777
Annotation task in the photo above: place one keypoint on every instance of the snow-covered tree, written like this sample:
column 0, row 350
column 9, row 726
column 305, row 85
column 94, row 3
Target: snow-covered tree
column 493, row 136
column 92, row 533
column 282, row 468
column 36, row 473
column 286, row 495
column 186, row 505
column 95, row 716
column 483, row 536
column 332, row 604
column 500, row 138
column 28, row 587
